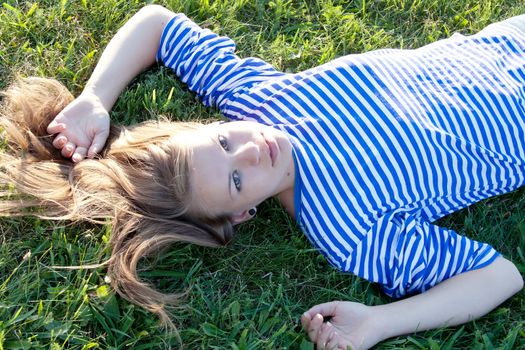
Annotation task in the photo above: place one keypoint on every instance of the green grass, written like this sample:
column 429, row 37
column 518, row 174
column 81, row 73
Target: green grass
column 251, row 294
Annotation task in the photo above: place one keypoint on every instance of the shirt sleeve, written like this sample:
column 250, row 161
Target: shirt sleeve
column 408, row 255
column 207, row 63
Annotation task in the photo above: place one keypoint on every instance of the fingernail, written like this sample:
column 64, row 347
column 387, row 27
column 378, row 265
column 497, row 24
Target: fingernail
column 76, row 158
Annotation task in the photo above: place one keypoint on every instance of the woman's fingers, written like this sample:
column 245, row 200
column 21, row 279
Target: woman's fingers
column 68, row 150
column 334, row 343
column 325, row 336
column 305, row 320
column 98, row 143
column 325, row 309
column 55, row 127
column 318, row 332
column 80, row 153
column 59, row 141
column 314, row 327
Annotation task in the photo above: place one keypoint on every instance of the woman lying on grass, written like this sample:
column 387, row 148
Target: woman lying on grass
column 365, row 152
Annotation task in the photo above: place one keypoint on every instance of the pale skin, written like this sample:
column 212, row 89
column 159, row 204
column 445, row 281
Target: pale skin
column 82, row 128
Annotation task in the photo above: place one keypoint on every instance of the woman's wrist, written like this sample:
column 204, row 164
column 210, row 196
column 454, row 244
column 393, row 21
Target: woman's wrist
column 380, row 323
column 96, row 96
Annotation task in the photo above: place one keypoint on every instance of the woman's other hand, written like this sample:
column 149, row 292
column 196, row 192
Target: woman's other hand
column 350, row 326
column 81, row 129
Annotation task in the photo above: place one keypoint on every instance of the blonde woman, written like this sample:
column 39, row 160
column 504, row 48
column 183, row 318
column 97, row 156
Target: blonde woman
column 364, row 152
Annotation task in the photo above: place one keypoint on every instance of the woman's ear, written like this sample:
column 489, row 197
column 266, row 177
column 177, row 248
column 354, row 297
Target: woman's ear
column 243, row 216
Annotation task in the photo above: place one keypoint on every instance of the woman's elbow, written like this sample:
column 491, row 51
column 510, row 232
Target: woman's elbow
column 518, row 278
column 513, row 275
column 155, row 12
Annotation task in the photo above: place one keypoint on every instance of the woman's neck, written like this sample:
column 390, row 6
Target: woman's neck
column 286, row 197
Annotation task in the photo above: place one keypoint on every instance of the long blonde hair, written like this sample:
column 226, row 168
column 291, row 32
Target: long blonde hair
column 141, row 182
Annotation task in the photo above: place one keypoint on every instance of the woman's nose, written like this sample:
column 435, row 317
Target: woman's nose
column 248, row 154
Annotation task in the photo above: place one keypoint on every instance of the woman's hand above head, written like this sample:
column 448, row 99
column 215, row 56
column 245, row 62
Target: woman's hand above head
column 82, row 128
column 350, row 326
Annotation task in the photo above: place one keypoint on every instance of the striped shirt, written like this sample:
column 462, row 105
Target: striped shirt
column 385, row 142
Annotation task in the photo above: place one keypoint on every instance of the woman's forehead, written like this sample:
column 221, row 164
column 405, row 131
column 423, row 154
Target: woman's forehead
column 233, row 125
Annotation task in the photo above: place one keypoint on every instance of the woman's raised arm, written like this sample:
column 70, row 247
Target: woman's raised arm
column 83, row 126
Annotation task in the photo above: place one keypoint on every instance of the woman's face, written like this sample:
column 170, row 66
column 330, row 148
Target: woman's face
column 237, row 165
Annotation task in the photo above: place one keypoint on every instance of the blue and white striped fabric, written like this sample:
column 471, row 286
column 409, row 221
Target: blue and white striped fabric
column 385, row 142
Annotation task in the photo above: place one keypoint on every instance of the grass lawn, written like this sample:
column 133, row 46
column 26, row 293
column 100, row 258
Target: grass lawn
column 251, row 294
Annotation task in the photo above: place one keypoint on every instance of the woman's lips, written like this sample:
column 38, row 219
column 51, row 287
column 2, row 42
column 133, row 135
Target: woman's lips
column 274, row 150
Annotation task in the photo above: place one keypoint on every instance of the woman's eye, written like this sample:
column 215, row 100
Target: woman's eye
column 224, row 143
column 236, row 180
